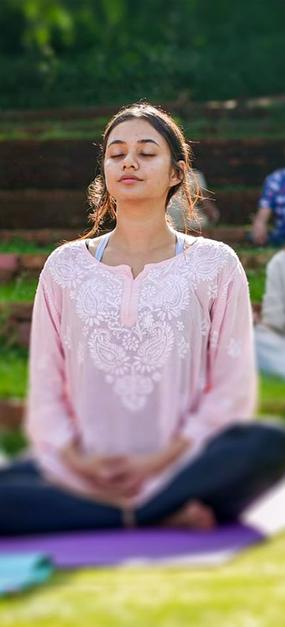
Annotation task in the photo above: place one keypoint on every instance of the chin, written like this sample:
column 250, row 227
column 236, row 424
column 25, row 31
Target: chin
column 131, row 194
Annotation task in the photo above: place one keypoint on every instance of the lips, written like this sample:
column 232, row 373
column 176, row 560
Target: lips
column 129, row 178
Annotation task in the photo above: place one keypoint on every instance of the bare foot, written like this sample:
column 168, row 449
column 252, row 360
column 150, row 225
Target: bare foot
column 193, row 515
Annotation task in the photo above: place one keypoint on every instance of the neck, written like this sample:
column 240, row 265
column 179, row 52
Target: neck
column 141, row 230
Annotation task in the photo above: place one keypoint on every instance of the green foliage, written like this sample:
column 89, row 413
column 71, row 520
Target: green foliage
column 271, row 126
column 12, row 442
column 272, row 398
column 13, row 372
column 20, row 246
column 68, row 53
column 256, row 280
column 21, row 290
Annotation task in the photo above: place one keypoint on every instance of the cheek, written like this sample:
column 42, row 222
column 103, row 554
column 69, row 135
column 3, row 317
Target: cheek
column 109, row 171
column 160, row 172
column 108, row 167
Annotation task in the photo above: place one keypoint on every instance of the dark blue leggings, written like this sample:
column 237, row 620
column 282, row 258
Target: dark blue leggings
column 234, row 469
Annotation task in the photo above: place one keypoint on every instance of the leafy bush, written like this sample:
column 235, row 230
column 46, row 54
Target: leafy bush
column 67, row 53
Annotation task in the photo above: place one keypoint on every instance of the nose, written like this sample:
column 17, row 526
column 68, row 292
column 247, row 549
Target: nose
column 130, row 161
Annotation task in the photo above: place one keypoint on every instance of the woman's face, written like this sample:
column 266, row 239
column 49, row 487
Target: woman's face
column 137, row 163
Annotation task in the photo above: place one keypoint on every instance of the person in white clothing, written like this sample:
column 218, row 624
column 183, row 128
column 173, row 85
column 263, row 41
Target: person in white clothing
column 206, row 211
column 270, row 331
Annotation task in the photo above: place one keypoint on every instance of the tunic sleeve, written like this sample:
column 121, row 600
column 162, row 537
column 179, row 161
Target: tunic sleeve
column 48, row 417
column 230, row 392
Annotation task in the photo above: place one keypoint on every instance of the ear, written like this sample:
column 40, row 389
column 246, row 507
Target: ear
column 177, row 174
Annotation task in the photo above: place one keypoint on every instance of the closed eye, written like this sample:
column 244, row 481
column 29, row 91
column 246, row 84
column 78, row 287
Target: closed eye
column 142, row 154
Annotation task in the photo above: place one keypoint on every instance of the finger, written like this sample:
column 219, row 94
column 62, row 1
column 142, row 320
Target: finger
column 131, row 488
column 113, row 461
column 113, row 477
column 131, row 491
column 128, row 486
column 118, row 472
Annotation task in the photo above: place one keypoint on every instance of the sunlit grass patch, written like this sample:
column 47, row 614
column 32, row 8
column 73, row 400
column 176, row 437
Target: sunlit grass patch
column 247, row 592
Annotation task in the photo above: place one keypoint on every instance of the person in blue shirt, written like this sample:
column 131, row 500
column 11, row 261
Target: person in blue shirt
column 271, row 205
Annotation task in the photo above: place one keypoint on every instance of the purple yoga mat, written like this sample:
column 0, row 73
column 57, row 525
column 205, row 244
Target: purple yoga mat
column 74, row 549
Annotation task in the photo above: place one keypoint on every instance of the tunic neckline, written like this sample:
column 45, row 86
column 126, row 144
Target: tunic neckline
column 127, row 270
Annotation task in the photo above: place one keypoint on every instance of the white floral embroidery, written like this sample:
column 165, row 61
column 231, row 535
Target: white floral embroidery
column 130, row 341
column 212, row 290
column 68, row 264
column 183, row 347
column 165, row 296
column 147, row 320
column 153, row 352
column 214, row 339
column 98, row 298
column 209, row 260
column 132, row 358
column 180, row 325
column 107, row 355
column 80, row 353
column 133, row 388
column 234, row 348
column 66, row 338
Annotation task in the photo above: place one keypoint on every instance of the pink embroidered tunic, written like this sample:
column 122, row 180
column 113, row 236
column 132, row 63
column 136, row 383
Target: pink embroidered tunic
column 122, row 363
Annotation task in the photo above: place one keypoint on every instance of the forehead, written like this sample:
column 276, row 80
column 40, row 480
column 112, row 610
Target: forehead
column 135, row 130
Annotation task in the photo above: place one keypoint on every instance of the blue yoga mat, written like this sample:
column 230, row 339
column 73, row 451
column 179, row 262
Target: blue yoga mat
column 20, row 571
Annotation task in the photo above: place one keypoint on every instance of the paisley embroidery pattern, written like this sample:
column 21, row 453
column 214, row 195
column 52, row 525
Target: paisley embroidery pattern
column 164, row 296
column 132, row 359
column 209, row 262
column 107, row 355
column 96, row 297
column 68, row 264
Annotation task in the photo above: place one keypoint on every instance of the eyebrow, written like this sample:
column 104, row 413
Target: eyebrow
column 140, row 141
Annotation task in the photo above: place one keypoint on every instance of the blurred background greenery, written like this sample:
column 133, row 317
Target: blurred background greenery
column 67, row 53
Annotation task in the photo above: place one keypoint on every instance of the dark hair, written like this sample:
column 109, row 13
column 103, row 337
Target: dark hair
column 103, row 205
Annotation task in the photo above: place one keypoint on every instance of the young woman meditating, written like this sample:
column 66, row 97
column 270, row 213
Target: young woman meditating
column 142, row 375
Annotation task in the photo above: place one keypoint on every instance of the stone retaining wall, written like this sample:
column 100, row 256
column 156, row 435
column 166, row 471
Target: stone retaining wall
column 71, row 164
column 60, row 208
